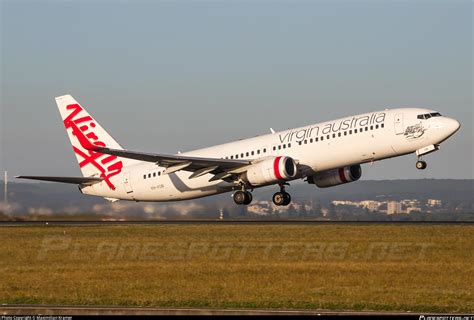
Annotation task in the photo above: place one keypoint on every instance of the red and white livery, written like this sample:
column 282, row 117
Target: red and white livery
column 324, row 154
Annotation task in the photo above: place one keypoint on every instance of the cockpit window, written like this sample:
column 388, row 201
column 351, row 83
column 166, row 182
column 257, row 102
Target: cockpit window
column 428, row 115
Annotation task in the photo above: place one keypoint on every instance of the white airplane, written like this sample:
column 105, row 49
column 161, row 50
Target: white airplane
column 325, row 154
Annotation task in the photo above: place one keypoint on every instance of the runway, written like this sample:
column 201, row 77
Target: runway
column 217, row 222
column 108, row 310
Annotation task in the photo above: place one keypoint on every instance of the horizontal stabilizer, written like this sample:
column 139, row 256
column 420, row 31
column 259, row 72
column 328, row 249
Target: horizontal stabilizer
column 73, row 180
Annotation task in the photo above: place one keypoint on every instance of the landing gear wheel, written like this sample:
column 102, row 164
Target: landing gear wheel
column 242, row 197
column 281, row 198
column 278, row 198
column 287, row 198
column 248, row 198
column 239, row 197
column 421, row 165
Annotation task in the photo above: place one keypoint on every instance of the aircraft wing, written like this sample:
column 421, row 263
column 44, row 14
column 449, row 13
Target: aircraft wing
column 198, row 165
column 73, row 180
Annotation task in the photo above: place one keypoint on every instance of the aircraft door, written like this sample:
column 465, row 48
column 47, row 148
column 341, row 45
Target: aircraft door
column 127, row 182
column 399, row 123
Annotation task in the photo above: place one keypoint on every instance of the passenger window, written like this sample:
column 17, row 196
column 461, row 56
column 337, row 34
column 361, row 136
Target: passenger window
column 252, row 153
column 284, row 146
column 376, row 126
column 264, row 150
column 236, row 156
column 144, row 176
column 316, row 139
column 289, row 145
column 241, row 155
column 306, row 142
column 339, row 134
column 328, row 136
column 154, row 174
column 371, row 127
column 149, row 175
column 279, row 147
column 322, row 138
column 345, row 133
column 274, row 148
column 381, row 126
column 159, row 173
column 355, row 130
column 246, row 154
column 258, row 151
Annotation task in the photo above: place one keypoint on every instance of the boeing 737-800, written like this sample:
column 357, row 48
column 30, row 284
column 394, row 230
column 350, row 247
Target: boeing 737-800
column 324, row 154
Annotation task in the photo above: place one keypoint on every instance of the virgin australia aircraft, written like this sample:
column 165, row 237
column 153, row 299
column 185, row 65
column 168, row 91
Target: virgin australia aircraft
column 324, row 154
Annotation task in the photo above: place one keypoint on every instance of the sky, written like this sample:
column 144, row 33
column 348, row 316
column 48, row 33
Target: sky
column 176, row 76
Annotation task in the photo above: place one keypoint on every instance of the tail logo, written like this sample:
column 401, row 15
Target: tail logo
column 108, row 165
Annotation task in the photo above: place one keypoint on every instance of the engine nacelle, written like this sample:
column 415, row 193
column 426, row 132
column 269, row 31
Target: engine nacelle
column 271, row 170
column 336, row 177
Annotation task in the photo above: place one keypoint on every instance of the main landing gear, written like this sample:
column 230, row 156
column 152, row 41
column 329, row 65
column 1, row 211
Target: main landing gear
column 242, row 197
column 281, row 198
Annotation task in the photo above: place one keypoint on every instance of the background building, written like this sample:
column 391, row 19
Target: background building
column 434, row 203
column 394, row 207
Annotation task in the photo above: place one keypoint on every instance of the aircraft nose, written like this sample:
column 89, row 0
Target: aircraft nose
column 452, row 125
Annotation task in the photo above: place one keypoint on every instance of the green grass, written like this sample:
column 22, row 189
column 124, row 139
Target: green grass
column 424, row 268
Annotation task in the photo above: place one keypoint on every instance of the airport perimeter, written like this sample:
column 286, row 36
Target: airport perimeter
column 363, row 267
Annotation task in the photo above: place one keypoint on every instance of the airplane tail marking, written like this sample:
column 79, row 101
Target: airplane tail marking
column 86, row 135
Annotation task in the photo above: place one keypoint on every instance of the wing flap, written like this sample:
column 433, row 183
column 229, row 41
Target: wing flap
column 72, row 180
column 177, row 167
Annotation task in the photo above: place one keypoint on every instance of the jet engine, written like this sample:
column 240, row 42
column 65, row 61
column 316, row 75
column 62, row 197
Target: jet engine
column 271, row 170
column 336, row 177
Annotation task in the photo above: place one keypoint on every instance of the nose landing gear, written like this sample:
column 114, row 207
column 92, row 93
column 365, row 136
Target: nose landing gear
column 421, row 165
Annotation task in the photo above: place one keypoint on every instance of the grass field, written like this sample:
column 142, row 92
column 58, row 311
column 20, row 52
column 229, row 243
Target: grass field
column 408, row 267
